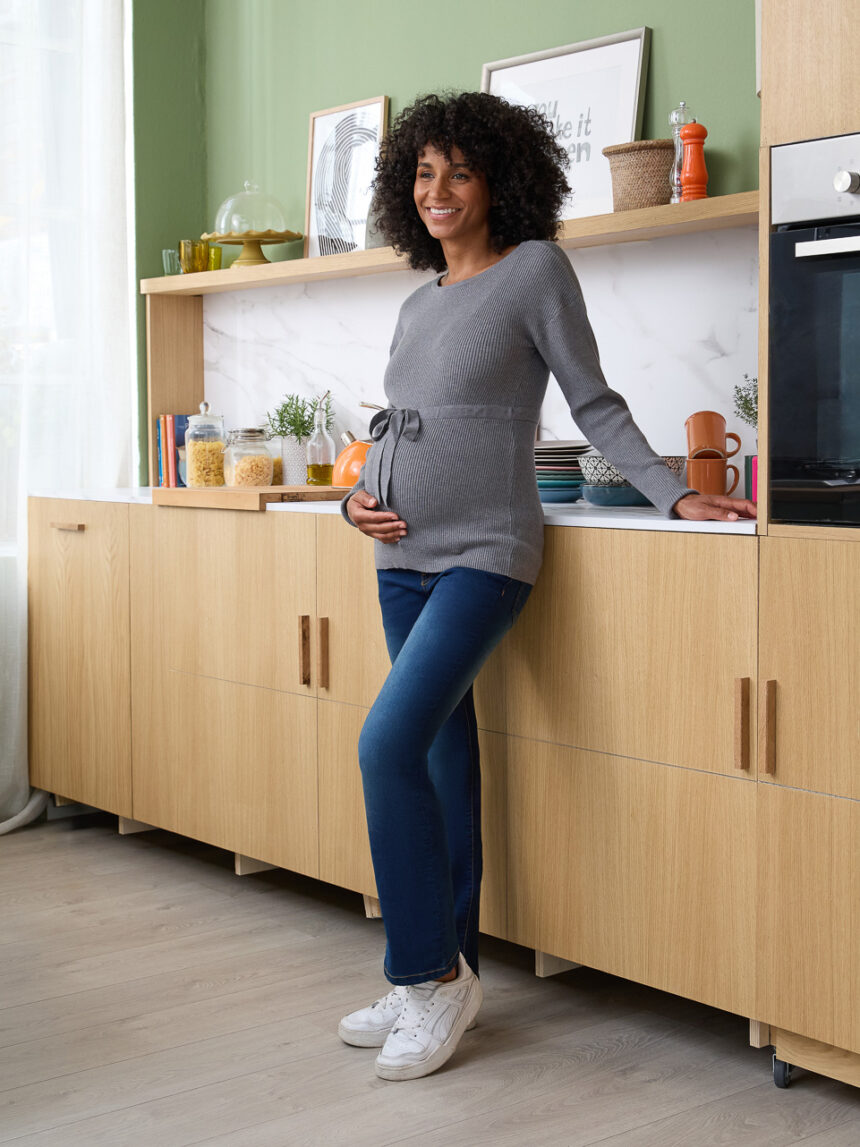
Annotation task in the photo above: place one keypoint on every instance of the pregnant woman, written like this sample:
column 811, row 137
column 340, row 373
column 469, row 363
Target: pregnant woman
column 471, row 186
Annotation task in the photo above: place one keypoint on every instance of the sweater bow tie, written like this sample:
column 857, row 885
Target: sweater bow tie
column 386, row 429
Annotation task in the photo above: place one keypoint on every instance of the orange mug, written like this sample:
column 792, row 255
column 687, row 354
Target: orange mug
column 709, row 475
column 706, row 436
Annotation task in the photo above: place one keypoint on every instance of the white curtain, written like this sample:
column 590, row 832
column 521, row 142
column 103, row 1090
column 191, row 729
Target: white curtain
column 68, row 402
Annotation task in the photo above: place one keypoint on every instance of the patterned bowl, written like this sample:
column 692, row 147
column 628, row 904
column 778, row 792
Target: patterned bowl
column 599, row 471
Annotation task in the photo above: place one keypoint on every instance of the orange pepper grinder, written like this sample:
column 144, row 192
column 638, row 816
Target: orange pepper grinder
column 694, row 174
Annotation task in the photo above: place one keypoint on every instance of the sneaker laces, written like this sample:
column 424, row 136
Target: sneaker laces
column 419, row 1000
column 395, row 998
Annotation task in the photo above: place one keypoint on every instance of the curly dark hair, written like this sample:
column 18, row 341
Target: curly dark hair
column 513, row 146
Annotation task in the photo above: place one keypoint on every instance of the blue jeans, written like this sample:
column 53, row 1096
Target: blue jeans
column 418, row 752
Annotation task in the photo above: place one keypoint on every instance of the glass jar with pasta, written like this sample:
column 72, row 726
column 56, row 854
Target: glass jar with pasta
column 204, row 448
column 247, row 459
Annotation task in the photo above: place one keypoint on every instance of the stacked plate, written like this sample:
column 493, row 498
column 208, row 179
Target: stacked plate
column 559, row 476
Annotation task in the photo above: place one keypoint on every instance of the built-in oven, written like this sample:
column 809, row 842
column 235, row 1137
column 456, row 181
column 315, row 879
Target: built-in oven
column 814, row 340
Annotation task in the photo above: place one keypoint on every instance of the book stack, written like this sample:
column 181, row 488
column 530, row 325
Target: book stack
column 559, row 476
column 170, row 448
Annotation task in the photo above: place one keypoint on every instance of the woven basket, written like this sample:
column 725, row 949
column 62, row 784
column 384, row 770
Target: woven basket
column 640, row 173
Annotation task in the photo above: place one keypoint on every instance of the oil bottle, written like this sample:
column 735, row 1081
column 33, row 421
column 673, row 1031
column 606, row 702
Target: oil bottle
column 320, row 449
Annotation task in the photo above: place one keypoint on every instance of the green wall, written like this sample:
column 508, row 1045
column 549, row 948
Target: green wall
column 168, row 59
column 270, row 63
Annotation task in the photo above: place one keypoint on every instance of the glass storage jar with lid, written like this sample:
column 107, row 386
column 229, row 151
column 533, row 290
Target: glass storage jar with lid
column 204, row 448
column 247, row 459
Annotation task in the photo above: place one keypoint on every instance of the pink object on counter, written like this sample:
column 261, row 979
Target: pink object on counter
column 754, row 482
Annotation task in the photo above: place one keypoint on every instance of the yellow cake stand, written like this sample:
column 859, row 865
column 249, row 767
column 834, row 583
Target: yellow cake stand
column 251, row 254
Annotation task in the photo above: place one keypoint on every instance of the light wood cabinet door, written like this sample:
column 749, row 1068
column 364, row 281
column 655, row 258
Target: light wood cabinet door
column 632, row 643
column 226, row 591
column 348, row 603
column 224, row 743
column 79, row 692
column 230, row 764
column 809, row 915
column 810, row 646
column 345, row 857
column 810, row 83
column 348, row 606
column 637, row 869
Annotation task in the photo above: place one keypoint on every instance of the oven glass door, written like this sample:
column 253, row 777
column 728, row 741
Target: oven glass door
column 814, row 386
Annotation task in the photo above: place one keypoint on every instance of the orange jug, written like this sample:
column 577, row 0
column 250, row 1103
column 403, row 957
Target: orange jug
column 350, row 460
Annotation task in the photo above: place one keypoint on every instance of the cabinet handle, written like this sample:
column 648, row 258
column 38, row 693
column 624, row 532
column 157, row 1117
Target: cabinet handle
column 73, row 526
column 767, row 727
column 305, row 649
column 322, row 635
column 742, row 722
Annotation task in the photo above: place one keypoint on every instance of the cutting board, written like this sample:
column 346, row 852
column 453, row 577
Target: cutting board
column 243, row 497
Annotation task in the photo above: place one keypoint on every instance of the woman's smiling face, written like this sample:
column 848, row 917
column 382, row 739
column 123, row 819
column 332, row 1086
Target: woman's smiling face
column 452, row 198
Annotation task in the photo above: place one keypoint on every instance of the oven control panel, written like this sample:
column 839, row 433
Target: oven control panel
column 816, row 180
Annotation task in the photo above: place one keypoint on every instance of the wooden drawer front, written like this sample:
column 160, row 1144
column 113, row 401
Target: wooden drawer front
column 80, row 723
column 344, row 846
column 221, row 592
column 810, row 646
column 637, row 869
column 232, row 765
column 631, row 644
column 809, row 915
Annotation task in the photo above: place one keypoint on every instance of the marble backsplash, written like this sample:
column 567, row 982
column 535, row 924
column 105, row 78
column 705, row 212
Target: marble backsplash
column 676, row 321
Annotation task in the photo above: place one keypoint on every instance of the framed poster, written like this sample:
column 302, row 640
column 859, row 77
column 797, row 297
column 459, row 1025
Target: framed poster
column 593, row 94
column 342, row 150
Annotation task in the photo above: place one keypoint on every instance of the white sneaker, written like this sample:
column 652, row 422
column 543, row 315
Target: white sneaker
column 368, row 1027
column 428, row 1029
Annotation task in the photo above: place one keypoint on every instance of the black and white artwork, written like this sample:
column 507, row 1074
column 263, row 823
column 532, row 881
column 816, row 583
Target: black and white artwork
column 593, row 94
column 344, row 144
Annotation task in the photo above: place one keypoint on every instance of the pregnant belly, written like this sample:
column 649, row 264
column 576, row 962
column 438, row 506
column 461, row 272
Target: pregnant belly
column 455, row 482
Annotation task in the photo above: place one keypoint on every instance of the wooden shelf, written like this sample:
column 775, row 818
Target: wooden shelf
column 740, row 210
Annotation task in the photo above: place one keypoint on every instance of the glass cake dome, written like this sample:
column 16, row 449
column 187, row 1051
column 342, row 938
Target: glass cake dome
column 249, row 210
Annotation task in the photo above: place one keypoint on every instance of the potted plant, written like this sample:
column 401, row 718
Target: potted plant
column 746, row 408
column 292, row 421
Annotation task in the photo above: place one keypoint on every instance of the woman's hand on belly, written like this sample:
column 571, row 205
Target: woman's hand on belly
column 383, row 525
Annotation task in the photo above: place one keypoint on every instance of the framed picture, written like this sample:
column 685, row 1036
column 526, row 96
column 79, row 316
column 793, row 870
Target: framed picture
column 342, row 150
column 593, row 93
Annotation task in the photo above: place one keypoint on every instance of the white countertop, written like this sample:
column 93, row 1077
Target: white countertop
column 555, row 514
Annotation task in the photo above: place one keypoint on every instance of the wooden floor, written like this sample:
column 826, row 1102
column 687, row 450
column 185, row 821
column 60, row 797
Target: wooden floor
column 150, row 998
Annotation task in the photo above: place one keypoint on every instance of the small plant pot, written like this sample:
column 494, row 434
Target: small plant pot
column 295, row 460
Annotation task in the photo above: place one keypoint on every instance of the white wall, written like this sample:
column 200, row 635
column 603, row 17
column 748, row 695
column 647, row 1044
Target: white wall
column 675, row 318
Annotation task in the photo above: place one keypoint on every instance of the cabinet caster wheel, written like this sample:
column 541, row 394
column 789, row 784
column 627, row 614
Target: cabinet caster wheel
column 781, row 1072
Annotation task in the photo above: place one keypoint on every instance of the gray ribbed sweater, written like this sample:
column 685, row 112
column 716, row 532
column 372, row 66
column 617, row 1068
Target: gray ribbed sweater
column 453, row 454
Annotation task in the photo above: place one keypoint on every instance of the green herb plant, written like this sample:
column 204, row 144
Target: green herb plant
column 294, row 417
column 746, row 401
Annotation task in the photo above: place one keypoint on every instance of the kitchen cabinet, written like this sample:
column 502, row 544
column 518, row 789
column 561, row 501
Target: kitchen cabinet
column 808, row 978
column 633, row 643
column 224, row 721
column 79, row 678
column 810, row 652
column 810, row 85
column 231, row 592
column 347, row 603
column 635, row 868
column 230, row 764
